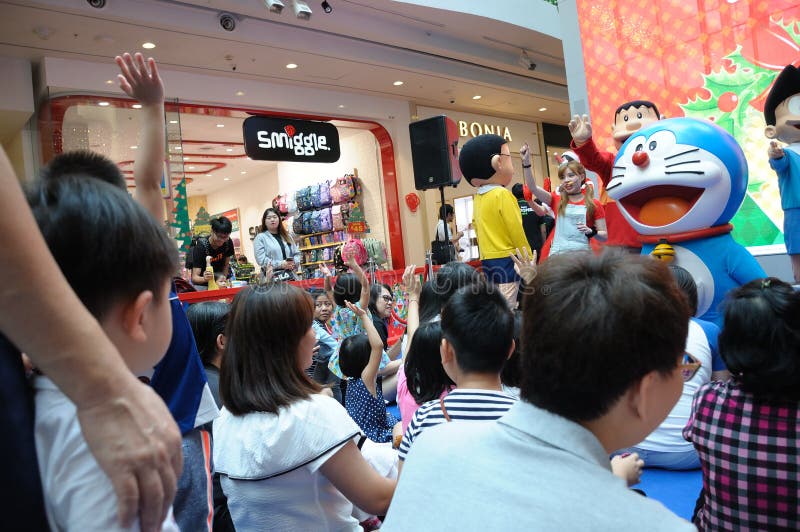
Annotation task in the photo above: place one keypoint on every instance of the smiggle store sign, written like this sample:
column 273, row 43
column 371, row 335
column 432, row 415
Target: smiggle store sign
column 279, row 139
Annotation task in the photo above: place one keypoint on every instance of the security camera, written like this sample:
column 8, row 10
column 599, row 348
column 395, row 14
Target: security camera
column 227, row 21
column 525, row 61
column 301, row 10
column 97, row 4
column 275, row 6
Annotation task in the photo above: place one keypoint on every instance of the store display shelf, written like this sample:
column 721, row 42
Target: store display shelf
column 318, row 262
column 320, row 233
column 317, row 246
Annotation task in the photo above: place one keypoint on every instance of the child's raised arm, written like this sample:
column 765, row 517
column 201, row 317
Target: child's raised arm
column 370, row 372
column 326, row 273
column 413, row 288
column 140, row 80
column 351, row 262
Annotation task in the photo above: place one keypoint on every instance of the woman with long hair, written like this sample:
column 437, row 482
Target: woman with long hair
column 287, row 455
column 579, row 217
column 274, row 247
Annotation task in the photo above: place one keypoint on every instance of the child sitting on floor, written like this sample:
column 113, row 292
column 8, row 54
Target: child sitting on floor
column 359, row 357
column 747, row 430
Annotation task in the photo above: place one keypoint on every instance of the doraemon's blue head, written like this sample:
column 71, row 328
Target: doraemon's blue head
column 677, row 175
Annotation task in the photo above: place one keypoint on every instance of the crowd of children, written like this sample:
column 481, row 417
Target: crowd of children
column 508, row 417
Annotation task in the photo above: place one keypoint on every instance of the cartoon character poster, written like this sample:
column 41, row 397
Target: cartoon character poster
column 710, row 59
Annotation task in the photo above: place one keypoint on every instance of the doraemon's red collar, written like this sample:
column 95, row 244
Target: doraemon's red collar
column 688, row 235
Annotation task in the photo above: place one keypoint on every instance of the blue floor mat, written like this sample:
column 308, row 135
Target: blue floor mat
column 677, row 490
column 394, row 410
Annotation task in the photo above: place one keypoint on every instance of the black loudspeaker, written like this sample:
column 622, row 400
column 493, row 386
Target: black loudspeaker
column 434, row 152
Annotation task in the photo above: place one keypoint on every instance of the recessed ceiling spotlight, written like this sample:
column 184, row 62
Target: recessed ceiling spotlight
column 178, row 148
column 134, row 147
column 476, row 97
column 341, row 106
column 291, row 65
column 185, row 158
column 173, row 121
column 137, row 106
column 542, row 108
column 103, row 104
column 191, row 168
column 242, row 172
column 109, row 82
column 226, row 178
column 208, row 175
column 326, row 6
column 228, row 149
column 220, row 125
column 239, row 93
column 397, row 83
column 148, row 45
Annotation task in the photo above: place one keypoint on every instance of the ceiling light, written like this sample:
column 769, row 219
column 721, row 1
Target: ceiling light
column 148, row 45
column 134, row 147
column 275, row 6
column 326, row 7
column 242, row 172
column 220, row 125
column 185, row 158
column 109, row 82
column 226, row 178
column 179, row 147
column 301, row 10
column 191, row 168
column 239, row 93
column 208, row 175
column 341, row 106
column 137, row 106
column 173, row 121
column 103, row 104
column 476, row 97
column 397, row 83
column 542, row 108
column 228, row 149
column 291, row 65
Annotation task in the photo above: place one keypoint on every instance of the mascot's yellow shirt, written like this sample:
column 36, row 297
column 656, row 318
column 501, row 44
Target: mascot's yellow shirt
column 498, row 223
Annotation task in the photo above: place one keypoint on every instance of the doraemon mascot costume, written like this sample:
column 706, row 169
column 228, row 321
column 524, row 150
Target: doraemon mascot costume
column 679, row 182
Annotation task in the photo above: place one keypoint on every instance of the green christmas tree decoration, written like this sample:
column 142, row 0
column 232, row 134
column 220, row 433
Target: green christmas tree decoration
column 180, row 213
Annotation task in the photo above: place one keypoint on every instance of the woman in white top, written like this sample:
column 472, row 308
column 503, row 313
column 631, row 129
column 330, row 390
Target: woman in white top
column 447, row 215
column 287, row 455
column 274, row 247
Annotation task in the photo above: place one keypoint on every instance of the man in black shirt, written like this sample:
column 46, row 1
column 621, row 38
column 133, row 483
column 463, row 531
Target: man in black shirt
column 219, row 247
column 532, row 221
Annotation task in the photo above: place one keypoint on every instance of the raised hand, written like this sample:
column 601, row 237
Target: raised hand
column 140, row 80
column 525, row 154
column 580, row 129
column 774, row 151
column 324, row 270
column 411, row 282
column 525, row 265
column 360, row 312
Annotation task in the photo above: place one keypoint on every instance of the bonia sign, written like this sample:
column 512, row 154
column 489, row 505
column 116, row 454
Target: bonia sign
column 279, row 139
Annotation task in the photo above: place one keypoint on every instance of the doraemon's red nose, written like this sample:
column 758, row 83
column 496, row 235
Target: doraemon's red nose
column 640, row 158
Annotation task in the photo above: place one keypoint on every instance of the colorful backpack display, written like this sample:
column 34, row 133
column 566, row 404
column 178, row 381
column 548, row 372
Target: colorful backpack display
column 322, row 221
column 355, row 246
column 304, row 199
column 324, row 194
column 297, row 224
column 279, row 203
column 291, row 202
column 337, row 218
column 376, row 251
column 307, row 222
column 313, row 195
column 343, row 189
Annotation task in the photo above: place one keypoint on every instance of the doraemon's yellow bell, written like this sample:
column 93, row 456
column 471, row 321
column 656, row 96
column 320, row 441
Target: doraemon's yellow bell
column 663, row 252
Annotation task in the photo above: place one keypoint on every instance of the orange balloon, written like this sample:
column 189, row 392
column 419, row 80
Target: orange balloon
column 663, row 211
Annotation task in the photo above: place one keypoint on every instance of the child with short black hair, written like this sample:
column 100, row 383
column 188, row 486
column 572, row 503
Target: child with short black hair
column 95, row 230
column 602, row 340
column 477, row 339
column 208, row 320
column 359, row 358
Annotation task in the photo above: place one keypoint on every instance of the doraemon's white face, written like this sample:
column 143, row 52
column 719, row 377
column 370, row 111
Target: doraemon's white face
column 663, row 187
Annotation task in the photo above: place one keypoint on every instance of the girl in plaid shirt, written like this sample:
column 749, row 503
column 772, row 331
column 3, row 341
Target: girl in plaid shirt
column 747, row 430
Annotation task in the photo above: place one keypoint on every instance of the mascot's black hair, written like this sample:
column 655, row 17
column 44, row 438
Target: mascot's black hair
column 786, row 84
column 475, row 159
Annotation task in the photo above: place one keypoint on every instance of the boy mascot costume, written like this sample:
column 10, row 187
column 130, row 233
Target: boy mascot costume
column 629, row 118
column 485, row 162
column 782, row 114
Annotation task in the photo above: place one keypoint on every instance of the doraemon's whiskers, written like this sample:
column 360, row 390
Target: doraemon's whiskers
column 682, row 162
column 619, row 167
column 615, row 176
column 697, row 172
column 682, row 153
column 613, row 186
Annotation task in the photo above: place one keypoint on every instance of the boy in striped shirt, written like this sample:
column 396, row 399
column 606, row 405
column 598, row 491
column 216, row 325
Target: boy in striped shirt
column 477, row 339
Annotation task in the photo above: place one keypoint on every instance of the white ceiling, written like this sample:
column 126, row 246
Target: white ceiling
column 444, row 58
